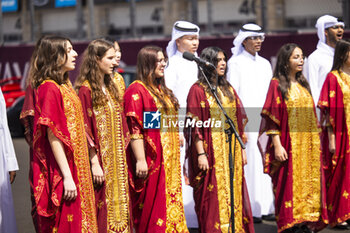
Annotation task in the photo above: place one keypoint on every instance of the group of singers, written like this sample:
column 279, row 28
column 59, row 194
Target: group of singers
column 95, row 167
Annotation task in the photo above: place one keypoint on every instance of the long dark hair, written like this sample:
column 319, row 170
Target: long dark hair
column 147, row 60
column 50, row 57
column 90, row 71
column 282, row 70
column 210, row 54
column 341, row 54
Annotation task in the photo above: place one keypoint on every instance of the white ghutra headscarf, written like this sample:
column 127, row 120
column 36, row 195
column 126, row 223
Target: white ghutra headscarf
column 180, row 29
column 325, row 22
column 247, row 30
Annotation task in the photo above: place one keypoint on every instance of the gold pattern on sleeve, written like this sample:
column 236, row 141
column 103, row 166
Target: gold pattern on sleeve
column 288, row 204
column 100, row 204
column 160, row 222
column 136, row 136
column 75, row 123
column 345, row 194
column 135, row 97
column 202, row 103
column 273, row 132
column 141, row 206
column 331, row 94
column 217, row 225
column 69, row 217
column 278, row 100
column 210, row 187
column 89, row 112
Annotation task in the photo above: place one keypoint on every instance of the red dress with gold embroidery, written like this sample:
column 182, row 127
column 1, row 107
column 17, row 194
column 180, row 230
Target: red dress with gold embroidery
column 58, row 107
column 211, row 189
column 334, row 103
column 298, row 182
column 110, row 137
column 157, row 200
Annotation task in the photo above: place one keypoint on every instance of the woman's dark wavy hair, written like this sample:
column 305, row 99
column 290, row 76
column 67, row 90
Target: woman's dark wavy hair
column 282, row 70
column 147, row 60
column 90, row 71
column 210, row 54
column 341, row 54
column 48, row 60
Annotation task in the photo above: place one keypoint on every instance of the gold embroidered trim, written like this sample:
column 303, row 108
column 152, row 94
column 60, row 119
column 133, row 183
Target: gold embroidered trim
column 306, row 151
column 111, row 139
column 221, row 152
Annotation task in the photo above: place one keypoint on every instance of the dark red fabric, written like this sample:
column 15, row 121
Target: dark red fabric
column 27, row 119
column 206, row 202
column 337, row 165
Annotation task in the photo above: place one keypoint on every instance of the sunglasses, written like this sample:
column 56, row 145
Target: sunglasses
column 256, row 38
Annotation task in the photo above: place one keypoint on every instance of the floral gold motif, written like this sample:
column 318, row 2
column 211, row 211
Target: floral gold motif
column 69, row 217
column 160, row 222
column 136, row 97
column 278, row 100
column 288, row 204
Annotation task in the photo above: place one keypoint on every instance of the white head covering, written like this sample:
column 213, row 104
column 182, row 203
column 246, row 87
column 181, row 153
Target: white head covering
column 325, row 22
column 180, row 28
column 247, row 30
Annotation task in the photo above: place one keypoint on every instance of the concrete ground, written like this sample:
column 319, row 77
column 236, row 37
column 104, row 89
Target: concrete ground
column 22, row 201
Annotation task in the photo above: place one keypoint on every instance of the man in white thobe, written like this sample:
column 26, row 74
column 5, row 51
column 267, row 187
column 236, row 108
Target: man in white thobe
column 319, row 63
column 8, row 167
column 250, row 75
column 180, row 75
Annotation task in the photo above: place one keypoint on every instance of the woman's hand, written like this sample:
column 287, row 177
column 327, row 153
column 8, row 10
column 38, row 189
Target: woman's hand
column 331, row 140
column 141, row 168
column 97, row 173
column 280, row 153
column 203, row 163
column 12, row 176
column 70, row 190
column 244, row 157
column 182, row 140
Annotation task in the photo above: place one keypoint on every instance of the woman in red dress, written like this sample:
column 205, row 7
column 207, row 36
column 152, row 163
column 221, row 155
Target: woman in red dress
column 334, row 101
column 207, row 154
column 291, row 148
column 102, row 100
column 61, row 178
column 154, row 153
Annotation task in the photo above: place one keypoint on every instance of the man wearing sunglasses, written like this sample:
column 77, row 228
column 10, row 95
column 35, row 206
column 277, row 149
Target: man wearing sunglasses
column 319, row 63
column 250, row 75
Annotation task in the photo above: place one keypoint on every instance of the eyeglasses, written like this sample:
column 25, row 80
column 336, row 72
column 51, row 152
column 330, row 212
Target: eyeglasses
column 256, row 38
column 337, row 27
column 164, row 60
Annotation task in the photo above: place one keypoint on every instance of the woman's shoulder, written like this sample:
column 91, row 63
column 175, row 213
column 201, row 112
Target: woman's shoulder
column 49, row 84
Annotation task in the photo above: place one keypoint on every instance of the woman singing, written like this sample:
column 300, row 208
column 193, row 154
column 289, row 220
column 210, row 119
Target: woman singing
column 62, row 181
column 290, row 142
column 102, row 101
column 154, row 152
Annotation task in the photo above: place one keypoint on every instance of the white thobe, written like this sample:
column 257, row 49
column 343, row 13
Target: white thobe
column 317, row 66
column 8, row 162
column 179, row 76
column 250, row 76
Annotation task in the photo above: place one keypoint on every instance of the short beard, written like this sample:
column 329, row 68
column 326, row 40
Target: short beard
column 331, row 39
